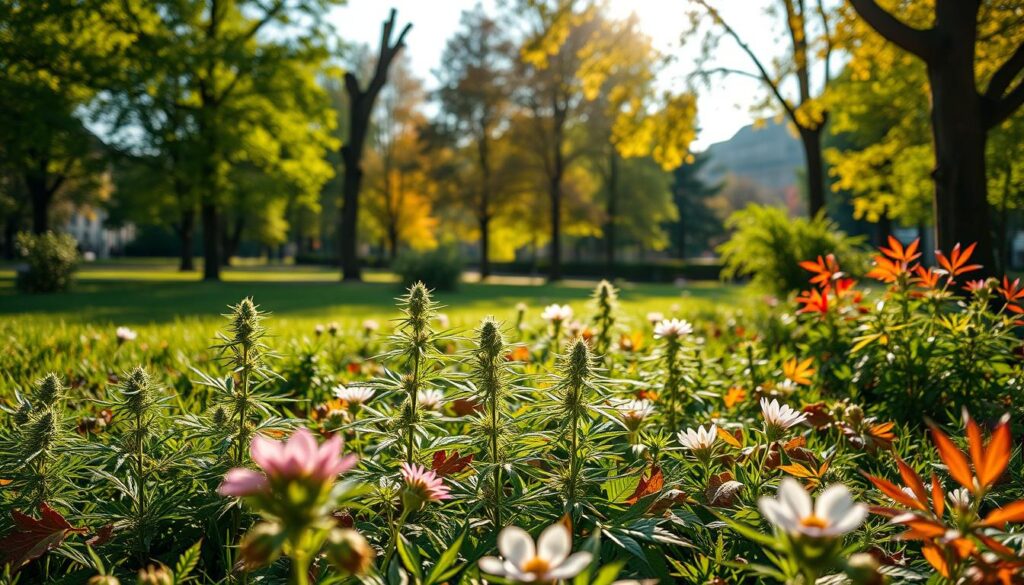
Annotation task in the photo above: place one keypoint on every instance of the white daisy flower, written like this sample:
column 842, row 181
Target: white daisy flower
column 354, row 395
column 779, row 417
column 794, row 512
column 634, row 412
column 370, row 325
column 655, row 317
column 700, row 439
column 548, row 561
column 125, row 334
column 672, row 329
column 430, row 399
column 960, row 498
column 557, row 313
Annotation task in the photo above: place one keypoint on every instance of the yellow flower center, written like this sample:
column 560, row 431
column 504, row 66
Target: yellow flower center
column 813, row 521
column 536, row 565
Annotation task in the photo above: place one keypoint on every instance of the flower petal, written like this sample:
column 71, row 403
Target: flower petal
column 572, row 566
column 516, row 545
column 793, row 495
column 492, row 566
column 240, row 482
column 554, row 544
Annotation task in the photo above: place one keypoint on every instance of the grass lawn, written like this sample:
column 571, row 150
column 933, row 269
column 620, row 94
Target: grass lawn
column 153, row 292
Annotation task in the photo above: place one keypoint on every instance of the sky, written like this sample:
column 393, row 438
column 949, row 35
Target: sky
column 722, row 108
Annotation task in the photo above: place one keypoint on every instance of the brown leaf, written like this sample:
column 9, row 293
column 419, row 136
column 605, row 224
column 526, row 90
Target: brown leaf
column 722, row 490
column 102, row 536
column 448, row 464
column 648, row 486
column 33, row 538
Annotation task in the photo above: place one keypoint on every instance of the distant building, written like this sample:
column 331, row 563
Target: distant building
column 85, row 224
column 768, row 156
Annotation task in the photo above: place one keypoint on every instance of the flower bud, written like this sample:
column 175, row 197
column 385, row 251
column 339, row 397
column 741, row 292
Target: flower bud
column 862, row 569
column 156, row 575
column 103, row 580
column 261, row 545
column 347, row 550
column 854, row 414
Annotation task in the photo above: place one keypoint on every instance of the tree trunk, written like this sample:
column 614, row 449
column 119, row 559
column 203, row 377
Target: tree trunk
column 884, row 228
column 485, row 244
column 961, row 201
column 40, row 195
column 612, row 212
column 10, row 229
column 555, row 194
column 348, row 236
column 810, row 138
column 186, row 232
column 211, row 242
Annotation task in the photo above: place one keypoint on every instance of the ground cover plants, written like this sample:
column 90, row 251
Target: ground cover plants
column 856, row 432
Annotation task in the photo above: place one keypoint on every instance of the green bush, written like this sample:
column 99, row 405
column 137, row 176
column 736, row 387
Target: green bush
column 767, row 246
column 51, row 260
column 439, row 269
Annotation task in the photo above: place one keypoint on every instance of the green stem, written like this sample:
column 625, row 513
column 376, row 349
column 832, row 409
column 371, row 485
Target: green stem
column 300, row 569
column 140, row 481
column 494, row 448
column 413, row 399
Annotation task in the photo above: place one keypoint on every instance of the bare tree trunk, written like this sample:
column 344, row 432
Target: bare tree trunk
column 810, row 138
column 186, row 232
column 211, row 242
column 612, row 212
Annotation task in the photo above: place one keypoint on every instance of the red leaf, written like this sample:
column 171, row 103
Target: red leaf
column 33, row 538
column 648, row 486
column 102, row 536
column 448, row 464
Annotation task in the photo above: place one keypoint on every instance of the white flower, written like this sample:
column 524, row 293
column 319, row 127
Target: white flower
column 574, row 328
column 319, row 329
column 443, row 321
column 634, row 412
column 960, row 498
column 548, row 561
column 370, row 325
column 672, row 329
column 654, row 317
column 786, row 387
column 354, row 395
column 125, row 334
column 834, row 514
column 700, row 439
column 780, row 417
column 430, row 399
column 557, row 313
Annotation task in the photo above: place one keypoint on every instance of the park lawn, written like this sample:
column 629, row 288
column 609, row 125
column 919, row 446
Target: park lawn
column 154, row 293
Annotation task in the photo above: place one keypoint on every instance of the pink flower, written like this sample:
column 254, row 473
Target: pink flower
column 298, row 458
column 424, row 483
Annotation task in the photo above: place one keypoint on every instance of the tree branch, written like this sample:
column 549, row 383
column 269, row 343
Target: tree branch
column 1005, row 75
column 917, row 41
column 1004, row 108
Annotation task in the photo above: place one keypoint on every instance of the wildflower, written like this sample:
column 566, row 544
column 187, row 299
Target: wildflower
column 799, row 372
column 699, row 440
column 813, row 301
column 779, row 417
column 547, row 561
column 369, row 326
column 125, row 334
column 672, row 329
column 955, row 264
column 655, row 317
column 960, row 499
column 976, row 286
column 557, row 313
column 261, row 545
column 298, row 459
column 156, row 575
column 825, row 269
column 318, row 329
column 634, row 412
column 347, row 550
column 835, row 513
column 443, row 321
column 423, row 484
column 353, row 395
column 333, row 328
column 430, row 399
column 894, row 262
column 734, row 396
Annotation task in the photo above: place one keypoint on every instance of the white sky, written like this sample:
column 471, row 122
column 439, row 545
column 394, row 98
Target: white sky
column 723, row 108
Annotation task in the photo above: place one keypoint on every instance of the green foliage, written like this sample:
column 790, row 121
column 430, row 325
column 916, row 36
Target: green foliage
column 51, row 260
column 439, row 269
column 767, row 246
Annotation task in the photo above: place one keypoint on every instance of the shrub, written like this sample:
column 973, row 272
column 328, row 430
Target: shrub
column 51, row 262
column 439, row 269
column 767, row 245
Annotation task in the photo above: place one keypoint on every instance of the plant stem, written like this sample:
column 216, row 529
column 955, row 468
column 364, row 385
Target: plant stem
column 413, row 399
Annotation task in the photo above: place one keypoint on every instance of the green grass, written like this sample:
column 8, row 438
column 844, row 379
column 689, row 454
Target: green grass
column 149, row 292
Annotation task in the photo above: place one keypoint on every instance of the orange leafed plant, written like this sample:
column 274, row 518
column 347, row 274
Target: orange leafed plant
column 956, row 264
column 799, row 371
column 825, row 269
column 894, row 261
column 957, row 545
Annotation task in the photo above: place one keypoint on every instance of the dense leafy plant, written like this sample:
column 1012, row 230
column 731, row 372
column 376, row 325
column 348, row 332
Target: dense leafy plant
column 767, row 245
column 50, row 262
column 440, row 268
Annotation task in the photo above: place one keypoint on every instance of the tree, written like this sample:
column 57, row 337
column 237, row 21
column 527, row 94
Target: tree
column 806, row 42
column 222, row 87
column 953, row 37
column 474, row 104
column 361, row 101
column 55, row 55
column 698, row 223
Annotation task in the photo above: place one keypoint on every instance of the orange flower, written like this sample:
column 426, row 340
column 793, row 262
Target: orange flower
column 734, row 396
column 894, row 261
column 825, row 269
column 1011, row 291
column 813, row 301
column 897, row 252
column 955, row 264
column 989, row 459
column 798, row 371
column 926, row 277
